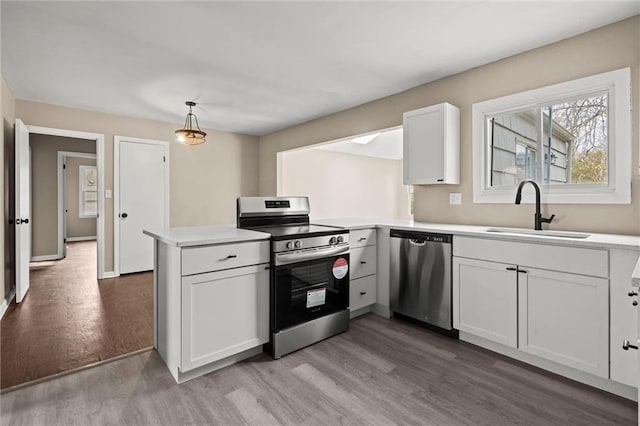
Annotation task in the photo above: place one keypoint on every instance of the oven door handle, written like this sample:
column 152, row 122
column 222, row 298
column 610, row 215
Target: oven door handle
column 301, row 256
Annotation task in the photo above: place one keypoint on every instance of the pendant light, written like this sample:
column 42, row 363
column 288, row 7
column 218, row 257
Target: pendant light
column 191, row 135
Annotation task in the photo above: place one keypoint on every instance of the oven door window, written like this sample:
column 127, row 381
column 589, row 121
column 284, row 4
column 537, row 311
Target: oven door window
column 311, row 289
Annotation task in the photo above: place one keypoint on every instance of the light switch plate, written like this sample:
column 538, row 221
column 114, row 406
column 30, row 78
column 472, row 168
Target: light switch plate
column 455, row 198
column 107, row 193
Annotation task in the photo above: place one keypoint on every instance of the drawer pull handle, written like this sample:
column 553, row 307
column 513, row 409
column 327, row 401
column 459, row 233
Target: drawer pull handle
column 362, row 293
column 511, row 268
column 363, row 262
column 523, row 271
column 626, row 345
column 362, row 239
column 231, row 256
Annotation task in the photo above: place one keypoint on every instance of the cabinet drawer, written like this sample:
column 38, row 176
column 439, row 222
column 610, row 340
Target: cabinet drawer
column 575, row 260
column 196, row 260
column 363, row 262
column 362, row 292
column 362, row 237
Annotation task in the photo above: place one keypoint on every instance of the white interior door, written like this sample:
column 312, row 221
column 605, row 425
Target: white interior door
column 143, row 201
column 23, row 210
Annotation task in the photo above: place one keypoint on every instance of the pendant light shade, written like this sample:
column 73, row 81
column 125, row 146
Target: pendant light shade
column 190, row 134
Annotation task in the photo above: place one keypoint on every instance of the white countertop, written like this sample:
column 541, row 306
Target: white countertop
column 594, row 240
column 204, row 235
column 221, row 234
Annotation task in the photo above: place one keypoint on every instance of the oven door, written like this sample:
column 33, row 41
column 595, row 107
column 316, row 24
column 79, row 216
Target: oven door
column 309, row 284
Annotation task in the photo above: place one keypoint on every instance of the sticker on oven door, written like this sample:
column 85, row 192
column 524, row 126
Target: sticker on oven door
column 340, row 268
column 316, row 297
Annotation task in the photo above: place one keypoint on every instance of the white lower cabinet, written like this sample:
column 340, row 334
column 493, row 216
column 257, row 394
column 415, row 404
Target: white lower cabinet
column 564, row 318
column 486, row 295
column 223, row 313
column 534, row 304
column 624, row 317
column 363, row 261
column 211, row 305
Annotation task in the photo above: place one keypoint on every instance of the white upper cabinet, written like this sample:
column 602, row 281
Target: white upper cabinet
column 432, row 145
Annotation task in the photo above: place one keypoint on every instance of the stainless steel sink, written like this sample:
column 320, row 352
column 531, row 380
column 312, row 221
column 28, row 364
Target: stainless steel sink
column 557, row 234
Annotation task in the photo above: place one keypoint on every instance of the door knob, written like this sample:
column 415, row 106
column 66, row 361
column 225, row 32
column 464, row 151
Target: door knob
column 123, row 215
column 626, row 345
column 632, row 293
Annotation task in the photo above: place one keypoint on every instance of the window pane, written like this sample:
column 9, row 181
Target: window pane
column 513, row 139
column 577, row 151
column 88, row 191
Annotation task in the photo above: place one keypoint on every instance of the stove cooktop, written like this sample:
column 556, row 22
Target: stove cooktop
column 284, row 232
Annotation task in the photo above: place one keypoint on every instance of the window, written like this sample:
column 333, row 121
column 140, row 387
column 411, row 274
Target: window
column 573, row 139
column 88, row 187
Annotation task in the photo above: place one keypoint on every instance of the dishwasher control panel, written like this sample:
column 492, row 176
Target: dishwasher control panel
column 422, row 236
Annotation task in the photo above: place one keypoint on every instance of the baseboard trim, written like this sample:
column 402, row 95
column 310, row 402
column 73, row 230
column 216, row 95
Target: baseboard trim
column 89, row 238
column 6, row 302
column 607, row 385
column 381, row 310
column 45, row 258
column 110, row 274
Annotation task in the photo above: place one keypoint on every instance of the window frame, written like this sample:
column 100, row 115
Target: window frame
column 617, row 84
column 81, row 190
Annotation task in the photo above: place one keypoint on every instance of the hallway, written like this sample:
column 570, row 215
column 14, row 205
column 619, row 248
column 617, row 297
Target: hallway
column 69, row 319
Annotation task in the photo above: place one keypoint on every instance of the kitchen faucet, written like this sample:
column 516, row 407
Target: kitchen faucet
column 538, row 219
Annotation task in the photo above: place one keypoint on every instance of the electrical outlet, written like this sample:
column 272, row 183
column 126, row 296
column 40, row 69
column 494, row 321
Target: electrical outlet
column 455, row 198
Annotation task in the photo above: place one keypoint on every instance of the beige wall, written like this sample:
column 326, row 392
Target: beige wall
column 76, row 226
column 204, row 180
column 345, row 184
column 7, row 107
column 44, row 188
column 611, row 47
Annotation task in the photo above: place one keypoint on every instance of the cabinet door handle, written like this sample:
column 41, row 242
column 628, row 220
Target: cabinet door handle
column 511, row 268
column 440, row 180
column 231, row 256
column 362, row 239
column 523, row 271
column 362, row 293
column 363, row 262
column 626, row 345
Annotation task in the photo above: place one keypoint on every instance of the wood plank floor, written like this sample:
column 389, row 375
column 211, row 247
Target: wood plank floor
column 379, row 372
column 69, row 319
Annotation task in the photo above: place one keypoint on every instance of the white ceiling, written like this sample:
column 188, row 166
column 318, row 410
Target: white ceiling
column 256, row 67
column 387, row 145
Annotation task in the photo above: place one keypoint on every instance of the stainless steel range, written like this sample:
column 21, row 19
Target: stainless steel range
column 309, row 272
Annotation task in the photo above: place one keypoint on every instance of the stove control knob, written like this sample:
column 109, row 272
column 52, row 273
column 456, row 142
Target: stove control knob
column 290, row 245
column 332, row 240
column 298, row 244
column 340, row 239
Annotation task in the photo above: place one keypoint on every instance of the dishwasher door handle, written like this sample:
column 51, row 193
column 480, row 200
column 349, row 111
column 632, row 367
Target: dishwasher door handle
column 417, row 242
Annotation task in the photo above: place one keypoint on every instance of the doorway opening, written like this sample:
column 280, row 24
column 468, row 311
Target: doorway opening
column 68, row 317
column 356, row 176
column 77, row 181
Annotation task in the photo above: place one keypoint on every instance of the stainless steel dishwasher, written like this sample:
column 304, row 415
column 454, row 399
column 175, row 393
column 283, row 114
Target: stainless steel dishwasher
column 420, row 281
